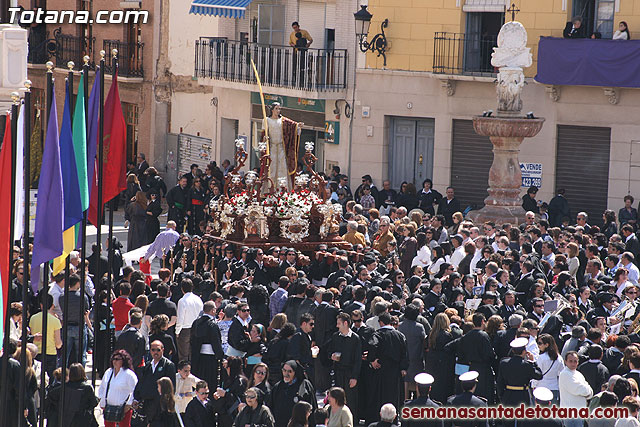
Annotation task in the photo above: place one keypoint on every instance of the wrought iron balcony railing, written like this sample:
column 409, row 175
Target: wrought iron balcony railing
column 457, row 53
column 282, row 66
column 72, row 48
column 129, row 58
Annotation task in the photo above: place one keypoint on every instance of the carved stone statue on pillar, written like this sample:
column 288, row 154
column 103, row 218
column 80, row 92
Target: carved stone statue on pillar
column 507, row 129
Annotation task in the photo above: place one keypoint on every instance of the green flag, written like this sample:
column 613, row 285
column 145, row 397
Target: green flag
column 79, row 131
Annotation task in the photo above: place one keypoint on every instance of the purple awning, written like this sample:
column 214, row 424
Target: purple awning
column 588, row 62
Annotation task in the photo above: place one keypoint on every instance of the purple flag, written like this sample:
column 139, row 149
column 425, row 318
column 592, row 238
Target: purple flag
column 47, row 236
column 92, row 132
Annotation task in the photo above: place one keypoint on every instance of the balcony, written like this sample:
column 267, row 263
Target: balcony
column 72, row 48
column 463, row 54
column 588, row 62
column 279, row 66
column 129, row 58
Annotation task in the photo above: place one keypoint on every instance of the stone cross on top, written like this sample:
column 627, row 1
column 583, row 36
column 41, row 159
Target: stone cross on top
column 513, row 9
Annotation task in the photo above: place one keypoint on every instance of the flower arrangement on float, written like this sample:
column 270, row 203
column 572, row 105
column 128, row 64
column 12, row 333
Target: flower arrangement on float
column 257, row 207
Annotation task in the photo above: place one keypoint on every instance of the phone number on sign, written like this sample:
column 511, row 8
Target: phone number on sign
column 528, row 182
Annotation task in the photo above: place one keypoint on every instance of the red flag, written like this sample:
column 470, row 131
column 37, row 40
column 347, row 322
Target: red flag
column 115, row 147
column 5, row 215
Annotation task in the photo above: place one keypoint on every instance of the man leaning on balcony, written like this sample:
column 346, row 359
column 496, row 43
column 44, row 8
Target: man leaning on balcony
column 305, row 35
column 574, row 29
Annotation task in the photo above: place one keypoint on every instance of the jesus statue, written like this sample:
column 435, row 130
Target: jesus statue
column 284, row 139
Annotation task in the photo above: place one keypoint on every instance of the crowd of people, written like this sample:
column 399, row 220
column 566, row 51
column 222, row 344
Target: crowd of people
column 424, row 309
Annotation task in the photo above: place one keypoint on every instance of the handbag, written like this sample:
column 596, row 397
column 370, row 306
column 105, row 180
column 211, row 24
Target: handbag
column 113, row 413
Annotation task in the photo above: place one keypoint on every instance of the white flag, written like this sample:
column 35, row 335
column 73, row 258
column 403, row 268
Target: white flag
column 19, row 173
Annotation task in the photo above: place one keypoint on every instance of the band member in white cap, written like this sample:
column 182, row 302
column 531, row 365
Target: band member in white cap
column 423, row 385
column 515, row 374
column 543, row 397
column 468, row 382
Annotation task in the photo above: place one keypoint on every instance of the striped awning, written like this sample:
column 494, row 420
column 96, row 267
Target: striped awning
column 224, row 8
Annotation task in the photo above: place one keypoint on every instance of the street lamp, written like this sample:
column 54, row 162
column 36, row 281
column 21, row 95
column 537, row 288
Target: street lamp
column 379, row 42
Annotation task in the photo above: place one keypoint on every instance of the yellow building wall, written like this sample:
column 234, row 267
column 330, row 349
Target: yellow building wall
column 413, row 24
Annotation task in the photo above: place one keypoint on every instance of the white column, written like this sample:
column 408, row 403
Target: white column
column 13, row 62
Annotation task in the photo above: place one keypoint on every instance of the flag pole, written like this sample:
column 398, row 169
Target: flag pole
column 114, row 72
column 45, row 272
column 65, row 306
column 99, row 273
column 4, row 410
column 83, row 229
column 25, row 237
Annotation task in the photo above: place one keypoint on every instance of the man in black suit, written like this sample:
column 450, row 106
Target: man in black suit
column 632, row 244
column 503, row 339
column 206, row 345
column 448, row 206
column 389, row 359
column 261, row 273
column 510, row 305
column 593, row 369
column 574, row 29
column 634, row 364
column 537, row 309
column 146, row 390
column 343, row 263
column 325, row 325
column 299, row 348
column 141, row 166
column 526, row 282
column 132, row 340
column 199, row 412
column 613, row 356
column 239, row 337
column 359, row 300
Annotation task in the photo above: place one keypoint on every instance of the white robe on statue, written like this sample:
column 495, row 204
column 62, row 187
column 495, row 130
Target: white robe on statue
column 278, row 167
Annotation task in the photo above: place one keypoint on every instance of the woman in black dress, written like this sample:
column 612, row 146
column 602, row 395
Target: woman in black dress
column 104, row 333
column 227, row 397
column 80, row 399
column 195, row 205
column 165, row 413
column 154, row 209
column 439, row 362
column 137, row 217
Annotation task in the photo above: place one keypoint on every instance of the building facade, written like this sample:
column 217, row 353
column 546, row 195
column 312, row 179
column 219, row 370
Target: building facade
column 217, row 96
column 137, row 56
column 413, row 118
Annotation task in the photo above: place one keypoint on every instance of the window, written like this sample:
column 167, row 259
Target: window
column 480, row 39
column 597, row 16
column 604, row 18
column 271, row 24
column 131, row 121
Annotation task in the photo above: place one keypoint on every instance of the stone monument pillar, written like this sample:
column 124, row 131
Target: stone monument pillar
column 507, row 129
column 13, row 62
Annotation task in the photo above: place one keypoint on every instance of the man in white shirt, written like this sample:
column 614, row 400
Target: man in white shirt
column 480, row 242
column 458, row 253
column 189, row 308
column 627, row 261
column 548, row 249
column 574, row 388
column 56, row 290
